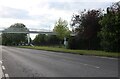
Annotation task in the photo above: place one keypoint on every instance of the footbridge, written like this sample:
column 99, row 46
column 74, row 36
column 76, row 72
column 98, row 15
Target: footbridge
column 27, row 31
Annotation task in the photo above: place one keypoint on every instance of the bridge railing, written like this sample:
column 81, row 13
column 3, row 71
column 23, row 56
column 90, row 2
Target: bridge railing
column 22, row 30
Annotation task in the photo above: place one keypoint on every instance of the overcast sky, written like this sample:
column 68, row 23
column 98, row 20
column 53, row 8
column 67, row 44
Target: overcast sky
column 42, row 14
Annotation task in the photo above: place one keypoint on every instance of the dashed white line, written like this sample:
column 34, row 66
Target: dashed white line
column 107, row 57
column 91, row 65
column 85, row 64
column 97, row 67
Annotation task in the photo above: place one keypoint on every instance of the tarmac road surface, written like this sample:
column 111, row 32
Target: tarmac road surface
column 21, row 62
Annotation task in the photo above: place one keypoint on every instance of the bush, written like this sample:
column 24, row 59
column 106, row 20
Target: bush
column 43, row 39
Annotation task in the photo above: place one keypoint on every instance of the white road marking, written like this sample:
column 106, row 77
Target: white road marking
column 107, row 57
column 3, row 67
column 97, row 67
column 85, row 64
column 7, row 76
column 0, row 62
column 90, row 65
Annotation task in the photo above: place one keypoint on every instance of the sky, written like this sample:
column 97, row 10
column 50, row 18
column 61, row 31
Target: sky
column 42, row 14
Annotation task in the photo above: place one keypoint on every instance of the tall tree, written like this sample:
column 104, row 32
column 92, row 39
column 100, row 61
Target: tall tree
column 110, row 31
column 0, row 39
column 61, row 29
column 9, row 38
column 86, row 25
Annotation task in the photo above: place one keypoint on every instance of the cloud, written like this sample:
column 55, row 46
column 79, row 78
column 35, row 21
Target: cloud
column 8, row 12
column 6, row 22
column 44, row 13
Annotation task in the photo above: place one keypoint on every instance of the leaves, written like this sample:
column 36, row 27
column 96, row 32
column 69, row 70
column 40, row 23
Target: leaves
column 15, row 38
column 61, row 29
column 86, row 25
column 110, row 31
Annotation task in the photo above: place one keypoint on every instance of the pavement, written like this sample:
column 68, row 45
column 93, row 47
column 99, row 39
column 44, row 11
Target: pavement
column 21, row 62
column 1, row 73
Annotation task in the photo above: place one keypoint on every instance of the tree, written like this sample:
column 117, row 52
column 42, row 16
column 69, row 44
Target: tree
column 52, row 40
column 86, row 26
column 40, row 39
column 14, row 38
column 61, row 29
column 110, row 31
column 0, row 39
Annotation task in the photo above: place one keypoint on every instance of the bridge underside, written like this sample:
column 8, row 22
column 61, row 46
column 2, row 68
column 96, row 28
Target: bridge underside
column 34, row 32
column 28, row 33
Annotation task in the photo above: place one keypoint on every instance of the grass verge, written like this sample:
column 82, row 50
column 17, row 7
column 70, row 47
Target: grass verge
column 81, row 52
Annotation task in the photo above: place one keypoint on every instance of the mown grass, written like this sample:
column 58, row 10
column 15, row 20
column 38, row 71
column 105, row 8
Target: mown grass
column 81, row 52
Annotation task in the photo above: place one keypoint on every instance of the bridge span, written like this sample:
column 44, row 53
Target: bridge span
column 28, row 32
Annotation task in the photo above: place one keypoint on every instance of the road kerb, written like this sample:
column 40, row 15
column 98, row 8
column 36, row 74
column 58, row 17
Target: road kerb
column 1, row 72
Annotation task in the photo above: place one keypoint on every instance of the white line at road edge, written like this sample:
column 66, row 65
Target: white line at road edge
column 3, row 74
column 3, row 67
column 6, row 75
column 0, row 62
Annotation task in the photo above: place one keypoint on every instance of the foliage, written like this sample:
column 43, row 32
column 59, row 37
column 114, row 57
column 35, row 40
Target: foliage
column 52, row 40
column 110, row 31
column 86, row 25
column 73, row 42
column 15, row 38
column 0, row 39
column 42, row 39
column 61, row 29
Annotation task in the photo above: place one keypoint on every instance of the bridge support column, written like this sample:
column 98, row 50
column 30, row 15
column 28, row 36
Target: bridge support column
column 28, row 38
column 65, row 42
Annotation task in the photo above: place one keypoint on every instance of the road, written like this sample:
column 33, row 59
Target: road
column 20, row 62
